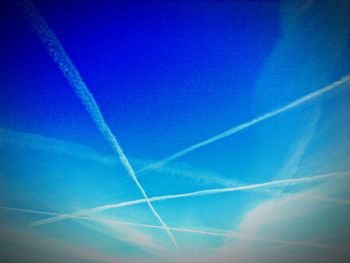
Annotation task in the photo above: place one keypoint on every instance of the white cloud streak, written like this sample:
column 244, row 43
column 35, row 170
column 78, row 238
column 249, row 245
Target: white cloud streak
column 59, row 55
column 300, row 180
column 268, row 115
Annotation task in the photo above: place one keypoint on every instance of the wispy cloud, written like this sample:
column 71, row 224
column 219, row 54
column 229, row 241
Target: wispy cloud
column 59, row 55
column 292, row 216
column 274, row 183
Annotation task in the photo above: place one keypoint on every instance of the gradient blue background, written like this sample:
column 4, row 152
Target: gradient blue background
column 167, row 75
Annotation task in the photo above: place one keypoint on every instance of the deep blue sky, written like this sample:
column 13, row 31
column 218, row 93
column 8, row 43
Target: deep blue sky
column 157, row 70
column 167, row 75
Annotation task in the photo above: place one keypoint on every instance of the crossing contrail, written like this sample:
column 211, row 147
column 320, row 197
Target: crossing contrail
column 59, row 55
column 191, row 194
column 221, row 233
column 268, row 115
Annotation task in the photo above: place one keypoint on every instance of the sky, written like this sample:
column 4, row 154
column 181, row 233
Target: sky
column 174, row 131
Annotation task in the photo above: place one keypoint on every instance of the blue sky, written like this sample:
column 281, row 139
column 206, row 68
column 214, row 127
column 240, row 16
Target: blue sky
column 167, row 76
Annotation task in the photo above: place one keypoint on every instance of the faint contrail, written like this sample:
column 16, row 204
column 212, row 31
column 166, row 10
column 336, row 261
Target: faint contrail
column 291, row 166
column 56, row 146
column 191, row 194
column 247, row 124
column 59, row 55
column 222, row 233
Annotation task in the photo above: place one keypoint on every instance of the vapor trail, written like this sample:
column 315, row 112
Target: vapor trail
column 191, row 194
column 223, row 233
column 31, row 211
column 294, row 104
column 59, row 55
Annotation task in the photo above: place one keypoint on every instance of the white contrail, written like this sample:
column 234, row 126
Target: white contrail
column 222, row 233
column 191, row 194
column 294, row 104
column 59, row 55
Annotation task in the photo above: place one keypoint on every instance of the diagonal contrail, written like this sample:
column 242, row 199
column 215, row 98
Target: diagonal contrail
column 268, row 115
column 59, row 55
column 222, row 233
column 292, row 165
column 191, row 194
